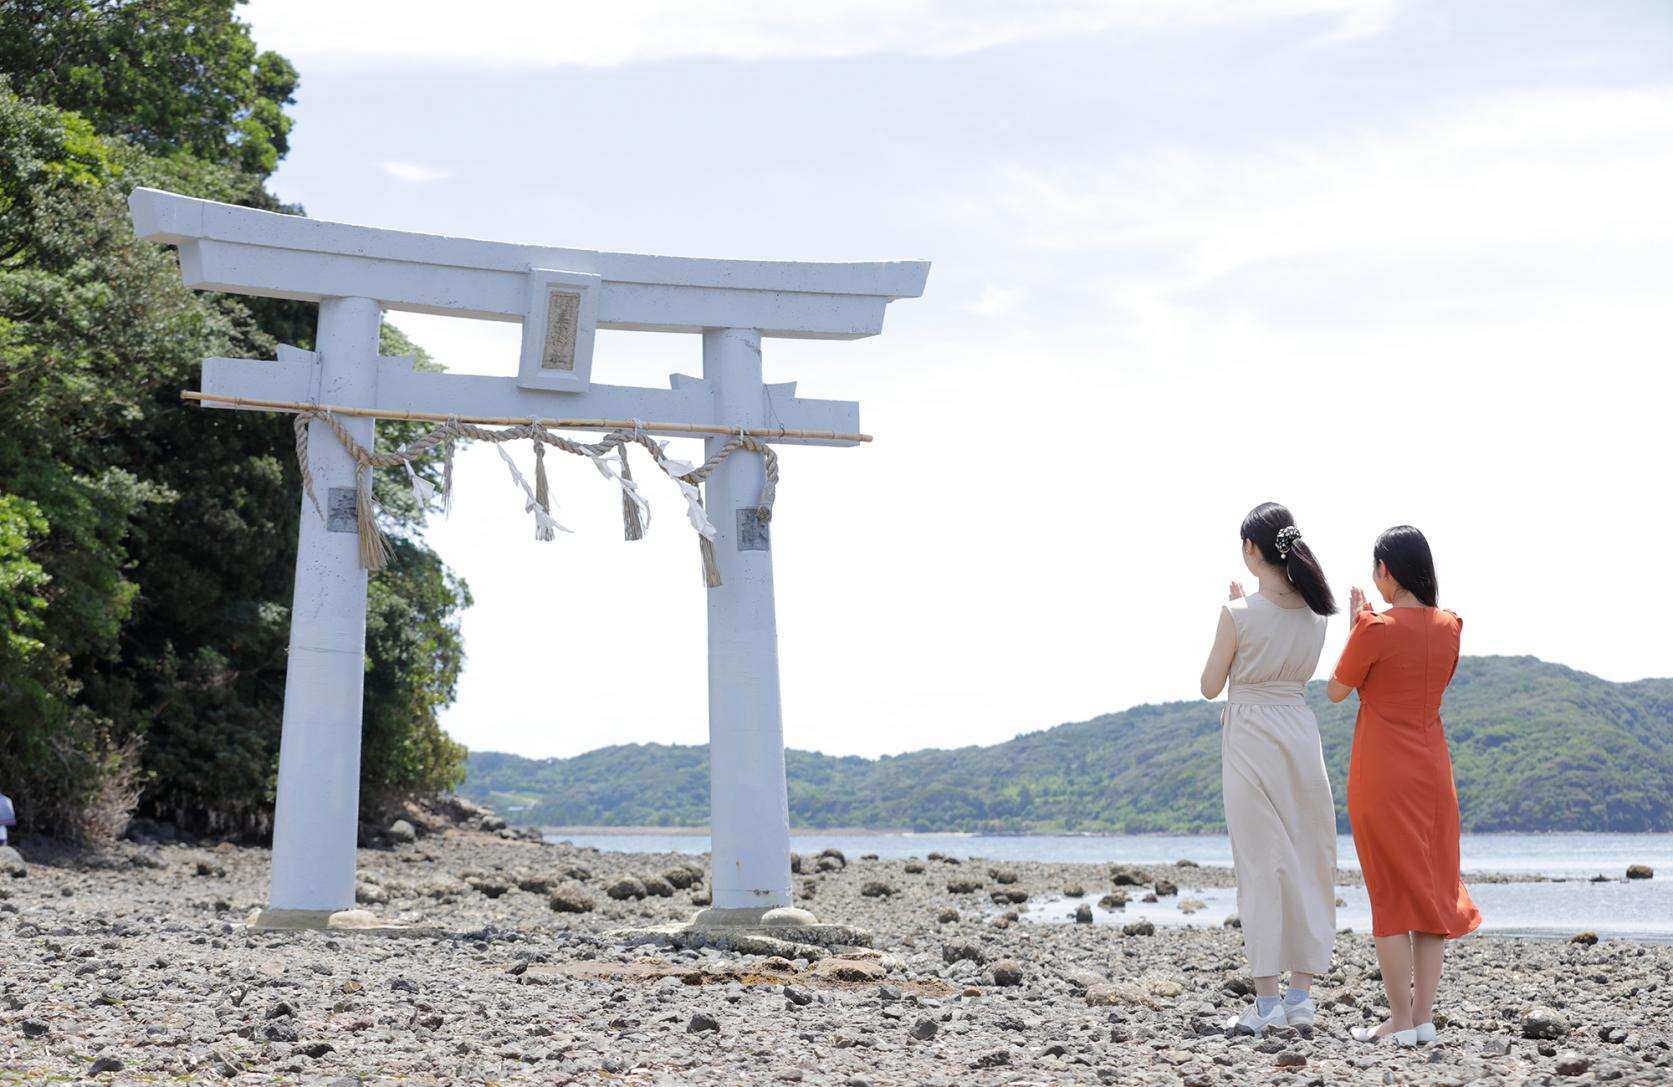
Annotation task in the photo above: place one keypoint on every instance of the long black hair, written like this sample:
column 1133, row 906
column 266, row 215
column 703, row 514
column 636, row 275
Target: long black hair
column 1404, row 551
column 1272, row 528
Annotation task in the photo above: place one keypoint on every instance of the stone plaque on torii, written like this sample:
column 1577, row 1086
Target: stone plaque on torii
column 561, row 296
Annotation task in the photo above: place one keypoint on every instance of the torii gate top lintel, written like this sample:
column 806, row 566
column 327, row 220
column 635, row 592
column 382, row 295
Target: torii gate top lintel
column 247, row 251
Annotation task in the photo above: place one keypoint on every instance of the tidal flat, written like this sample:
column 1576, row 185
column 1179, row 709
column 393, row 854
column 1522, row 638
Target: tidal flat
column 133, row 964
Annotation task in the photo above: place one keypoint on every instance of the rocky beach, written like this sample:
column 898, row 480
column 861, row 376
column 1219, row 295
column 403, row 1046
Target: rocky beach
column 535, row 963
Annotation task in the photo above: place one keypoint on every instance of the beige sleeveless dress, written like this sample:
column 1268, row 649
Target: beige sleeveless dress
column 1279, row 810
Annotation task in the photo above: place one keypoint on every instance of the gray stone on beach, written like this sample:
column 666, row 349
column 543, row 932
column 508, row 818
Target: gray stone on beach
column 625, row 888
column 1165, row 887
column 1571, row 1063
column 402, row 832
column 925, row 1029
column 657, row 886
column 838, row 968
column 1641, row 871
column 1083, row 914
column 701, row 1022
column 1543, row 1023
column 570, row 900
column 1007, row 972
column 961, row 952
column 1138, row 928
column 1115, row 900
column 947, row 916
column 876, row 889
column 11, row 862
column 963, row 886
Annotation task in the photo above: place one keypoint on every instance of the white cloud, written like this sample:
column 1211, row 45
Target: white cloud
column 996, row 301
column 1518, row 190
column 414, row 172
column 519, row 32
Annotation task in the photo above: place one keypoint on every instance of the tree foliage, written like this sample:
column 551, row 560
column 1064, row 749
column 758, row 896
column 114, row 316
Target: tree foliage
column 1535, row 747
column 147, row 548
column 173, row 76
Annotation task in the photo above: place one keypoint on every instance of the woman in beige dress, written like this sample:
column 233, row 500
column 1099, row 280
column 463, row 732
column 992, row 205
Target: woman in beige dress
column 1279, row 810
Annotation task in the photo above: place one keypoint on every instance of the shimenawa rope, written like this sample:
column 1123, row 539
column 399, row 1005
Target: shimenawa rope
column 374, row 551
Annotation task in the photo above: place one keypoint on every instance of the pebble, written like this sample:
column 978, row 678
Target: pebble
column 1543, row 1023
column 1573, row 1064
column 1007, row 972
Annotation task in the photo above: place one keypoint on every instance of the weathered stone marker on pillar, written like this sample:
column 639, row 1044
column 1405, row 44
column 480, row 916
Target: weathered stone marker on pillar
column 561, row 296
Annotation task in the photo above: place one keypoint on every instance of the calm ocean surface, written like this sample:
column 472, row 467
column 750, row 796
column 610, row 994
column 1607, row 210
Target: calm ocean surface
column 1640, row 909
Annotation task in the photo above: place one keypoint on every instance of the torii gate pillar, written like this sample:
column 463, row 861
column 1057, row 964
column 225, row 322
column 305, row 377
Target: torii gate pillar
column 749, row 821
column 316, row 817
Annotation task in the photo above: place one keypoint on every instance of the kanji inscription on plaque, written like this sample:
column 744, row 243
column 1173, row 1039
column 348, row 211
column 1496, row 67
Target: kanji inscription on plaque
column 563, row 311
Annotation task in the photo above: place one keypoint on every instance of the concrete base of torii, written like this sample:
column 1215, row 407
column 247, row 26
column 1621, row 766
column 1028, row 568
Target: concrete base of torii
column 779, row 930
column 361, row 922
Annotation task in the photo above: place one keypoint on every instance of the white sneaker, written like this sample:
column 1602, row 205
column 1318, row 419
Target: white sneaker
column 1253, row 1022
column 1425, row 1033
column 1369, row 1034
column 1300, row 1015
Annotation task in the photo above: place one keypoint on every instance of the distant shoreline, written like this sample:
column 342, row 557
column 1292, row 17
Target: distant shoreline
column 702, row 832
column 896, row 832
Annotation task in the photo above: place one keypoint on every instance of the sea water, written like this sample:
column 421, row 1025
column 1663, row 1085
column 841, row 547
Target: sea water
column 1566, row 902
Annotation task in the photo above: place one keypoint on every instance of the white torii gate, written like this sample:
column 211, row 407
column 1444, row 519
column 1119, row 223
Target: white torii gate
column 560, row 296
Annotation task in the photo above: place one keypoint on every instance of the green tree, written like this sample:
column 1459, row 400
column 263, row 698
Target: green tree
column 174, row 76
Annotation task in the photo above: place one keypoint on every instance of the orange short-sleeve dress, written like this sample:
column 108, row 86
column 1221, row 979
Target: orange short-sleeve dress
column 1402, row 804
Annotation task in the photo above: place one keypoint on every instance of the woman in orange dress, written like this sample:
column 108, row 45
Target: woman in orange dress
column 1401, row 799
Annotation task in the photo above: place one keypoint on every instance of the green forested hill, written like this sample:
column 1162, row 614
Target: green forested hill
column 1535, row 747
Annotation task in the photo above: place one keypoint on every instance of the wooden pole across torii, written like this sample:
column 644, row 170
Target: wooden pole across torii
column 561, row 296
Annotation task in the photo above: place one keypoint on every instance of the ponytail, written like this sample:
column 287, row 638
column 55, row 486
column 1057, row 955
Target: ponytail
column 1272, row 529
column 1303, row 569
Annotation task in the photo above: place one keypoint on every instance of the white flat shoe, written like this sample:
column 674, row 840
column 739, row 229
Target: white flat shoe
column 1253, row 1022
column 1300, row 1015
column 1369, row 1034
column 1425, row 1033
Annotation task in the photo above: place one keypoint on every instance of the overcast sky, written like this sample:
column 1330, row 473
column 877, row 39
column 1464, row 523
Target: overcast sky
column 1381, row 261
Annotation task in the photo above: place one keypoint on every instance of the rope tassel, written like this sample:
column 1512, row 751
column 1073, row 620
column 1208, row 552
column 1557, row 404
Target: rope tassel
column 300, row 423
column 447, row 479
column 706, row 547
column 543, row 526
column 374, row 549
column 633, row 527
